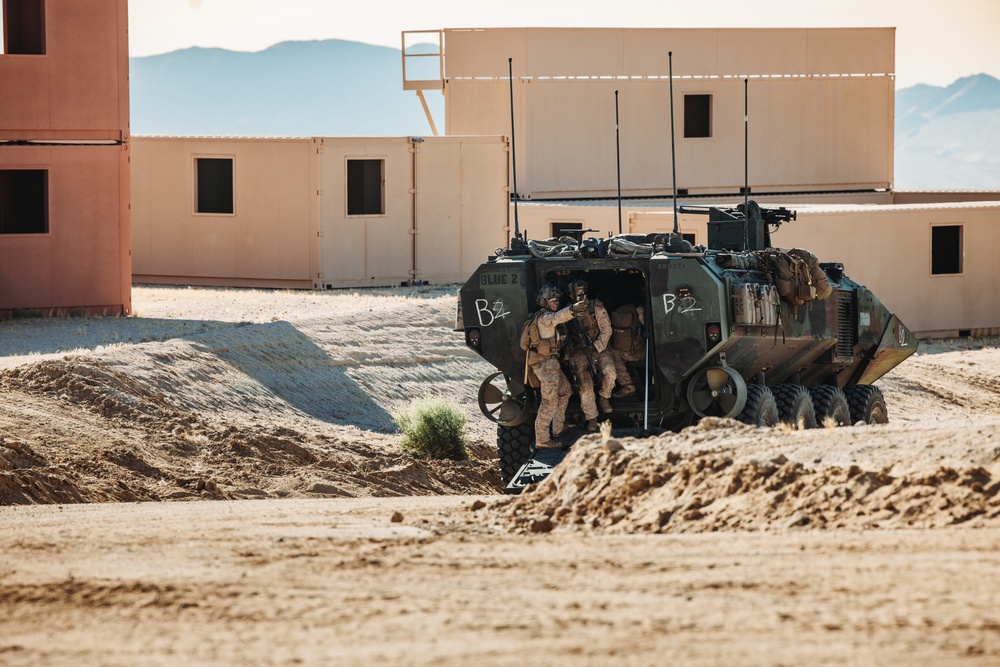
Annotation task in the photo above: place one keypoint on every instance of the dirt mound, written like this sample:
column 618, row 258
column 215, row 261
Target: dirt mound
column 90, row 384
column 671, row 484
column 77, row 430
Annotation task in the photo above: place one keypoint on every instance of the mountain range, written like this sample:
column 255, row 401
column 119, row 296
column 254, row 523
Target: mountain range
column 293, row 89
column 945, row 137
column 949, row 137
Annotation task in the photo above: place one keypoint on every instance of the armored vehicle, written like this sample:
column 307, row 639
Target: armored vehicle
column 737, row 329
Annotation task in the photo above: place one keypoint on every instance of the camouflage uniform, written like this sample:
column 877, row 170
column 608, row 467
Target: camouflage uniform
column 544, row 331
column 556, row 391
column 594, row 321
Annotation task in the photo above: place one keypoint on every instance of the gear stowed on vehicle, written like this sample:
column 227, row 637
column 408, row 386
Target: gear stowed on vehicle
column 737, row 329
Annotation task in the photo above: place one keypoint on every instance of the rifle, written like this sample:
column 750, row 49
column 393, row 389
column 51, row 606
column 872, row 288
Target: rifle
column 577, row 340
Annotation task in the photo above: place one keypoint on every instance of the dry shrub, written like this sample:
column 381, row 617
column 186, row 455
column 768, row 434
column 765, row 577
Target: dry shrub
column 432, row 429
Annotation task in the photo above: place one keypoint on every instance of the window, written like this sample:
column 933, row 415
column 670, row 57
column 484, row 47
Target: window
column 214, row 185
column 23, row 27
column 560, row 229
column 689, row 237
column 946, row 249
column 697, row 116
column 24, row 201
column 365, row 187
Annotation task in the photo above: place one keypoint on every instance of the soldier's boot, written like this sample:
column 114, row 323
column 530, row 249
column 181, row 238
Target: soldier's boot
column 605, row 405
column 592, row 425
column 546, row 444
column 622, row 392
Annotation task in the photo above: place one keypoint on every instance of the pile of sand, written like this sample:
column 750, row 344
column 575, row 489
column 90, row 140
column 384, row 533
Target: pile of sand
column 216, row 396
column 675, row 484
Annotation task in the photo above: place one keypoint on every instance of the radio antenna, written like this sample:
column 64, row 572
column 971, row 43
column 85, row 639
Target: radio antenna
column 618, row 154
column 673, row 152
column 746, row 165
column 513, row 152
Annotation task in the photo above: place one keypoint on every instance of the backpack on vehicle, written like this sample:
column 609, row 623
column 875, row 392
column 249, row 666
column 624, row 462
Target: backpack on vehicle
column 625, row 328
column 797, row 275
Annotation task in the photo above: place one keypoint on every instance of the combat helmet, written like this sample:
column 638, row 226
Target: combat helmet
column 547, row 292
column 575, row 285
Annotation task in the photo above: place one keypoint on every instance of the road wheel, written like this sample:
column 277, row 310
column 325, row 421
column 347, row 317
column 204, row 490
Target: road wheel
column 831, row 403
column 795, row 405
column 760, row 409
column 867, row 404
column 514, row 448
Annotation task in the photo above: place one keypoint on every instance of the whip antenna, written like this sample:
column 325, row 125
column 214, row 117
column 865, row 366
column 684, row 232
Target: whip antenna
column 673, row 152
column 746, row 166
column 513, row 153
column 618, row 152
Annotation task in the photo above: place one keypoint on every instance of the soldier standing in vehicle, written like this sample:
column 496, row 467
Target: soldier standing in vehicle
column 543, row 337
column 591, row 355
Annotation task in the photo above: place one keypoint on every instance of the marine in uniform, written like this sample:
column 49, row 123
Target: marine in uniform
column 592, row 354
column 543, row 338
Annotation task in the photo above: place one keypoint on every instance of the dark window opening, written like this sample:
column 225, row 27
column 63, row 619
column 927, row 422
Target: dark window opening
column 697, row 116
column 946, row 249
column 24, row 201
column 24, row 27
column 560, row 229
column 365, row 194
column 215, row 185
column 689, row 237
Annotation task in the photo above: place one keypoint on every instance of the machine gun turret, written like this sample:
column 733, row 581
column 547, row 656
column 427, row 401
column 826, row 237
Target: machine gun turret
column 745, row 227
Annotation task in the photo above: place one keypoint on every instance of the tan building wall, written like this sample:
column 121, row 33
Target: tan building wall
column 887, row 248
column 442, row 209
column 821, row 105
column 269, row 238
column 445, row 210
column 64, row 99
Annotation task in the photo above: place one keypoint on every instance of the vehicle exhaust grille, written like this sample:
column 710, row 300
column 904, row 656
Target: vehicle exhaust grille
column 847, row 327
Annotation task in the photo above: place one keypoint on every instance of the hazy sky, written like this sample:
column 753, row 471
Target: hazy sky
column 937, row 41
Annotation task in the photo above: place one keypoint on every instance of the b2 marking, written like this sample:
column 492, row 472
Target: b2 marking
column 490, row 314
column 684, row 304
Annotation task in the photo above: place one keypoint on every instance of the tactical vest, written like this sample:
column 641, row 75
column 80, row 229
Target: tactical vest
column 531, row 338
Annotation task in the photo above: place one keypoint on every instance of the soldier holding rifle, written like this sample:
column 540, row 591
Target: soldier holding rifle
column 588, row 354
column 543, row 337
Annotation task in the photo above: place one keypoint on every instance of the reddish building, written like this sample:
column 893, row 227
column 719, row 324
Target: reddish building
column 64, row 157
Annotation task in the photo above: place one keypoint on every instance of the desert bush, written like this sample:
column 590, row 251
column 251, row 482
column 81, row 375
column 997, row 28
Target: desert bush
column 432, row 429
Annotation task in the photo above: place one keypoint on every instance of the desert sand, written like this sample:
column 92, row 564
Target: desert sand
column 217, row 480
